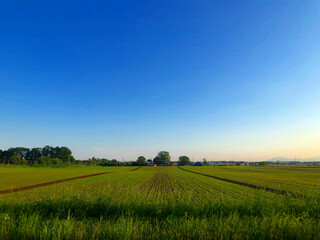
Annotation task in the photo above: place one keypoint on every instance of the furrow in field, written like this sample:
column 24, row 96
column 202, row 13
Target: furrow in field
column 49, row 183
column 135, row 169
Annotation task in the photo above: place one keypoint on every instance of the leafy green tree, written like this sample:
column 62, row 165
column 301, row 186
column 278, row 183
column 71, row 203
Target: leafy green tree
column 1, row 156
column 92, row 161
column 141, row 161
column 114, row 162
column 23, row 162
column 44, row 160
column 19, row 151
column 105, row 162
column 16, row 160
column 56, row 152
column 184, row 160
column 162, row 159
column 65, row 155
column 55, row 161
column 33, row 155
column 48, row 151
column 72, row 160
column 6, row 157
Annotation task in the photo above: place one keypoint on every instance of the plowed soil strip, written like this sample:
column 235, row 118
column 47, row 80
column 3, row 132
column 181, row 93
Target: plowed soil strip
column 49, row 183
column 135, row 169
column 281, row 192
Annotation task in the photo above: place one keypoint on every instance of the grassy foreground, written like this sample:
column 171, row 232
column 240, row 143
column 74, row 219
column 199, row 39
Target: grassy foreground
column 156, row 203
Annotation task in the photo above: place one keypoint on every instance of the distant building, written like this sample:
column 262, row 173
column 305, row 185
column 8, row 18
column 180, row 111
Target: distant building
column 150, row 163
column 216, row 163
column 197, row 164
column 228, row 164
column 255, row 163
column 312, row 164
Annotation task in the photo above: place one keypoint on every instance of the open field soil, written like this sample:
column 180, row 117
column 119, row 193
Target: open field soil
column 160, row 203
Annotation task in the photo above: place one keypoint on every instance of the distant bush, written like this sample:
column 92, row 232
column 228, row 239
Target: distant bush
column 24, row 162
column 15, row 160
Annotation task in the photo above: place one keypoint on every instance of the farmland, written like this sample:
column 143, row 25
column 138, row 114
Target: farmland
column 161, row 203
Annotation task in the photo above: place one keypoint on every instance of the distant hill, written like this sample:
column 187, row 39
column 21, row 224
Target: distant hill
column 283, row 159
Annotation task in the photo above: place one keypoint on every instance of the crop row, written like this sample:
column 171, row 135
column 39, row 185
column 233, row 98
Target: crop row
column 299, row 180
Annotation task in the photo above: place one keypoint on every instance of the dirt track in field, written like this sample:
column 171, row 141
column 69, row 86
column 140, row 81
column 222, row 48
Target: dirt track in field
column 281, row 192
column 135, row 169
column 49, row 183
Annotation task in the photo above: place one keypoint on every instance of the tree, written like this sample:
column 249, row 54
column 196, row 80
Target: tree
column 55, row 152
column 92, row 161
column 19, row 151
column 23, row 162
column 16, row 160
column 162, row 159
column 141, row 161
column 105, row 162
column 72, row 160
column 48, row 151
column 6, row 157
column 44, row 160
column 55, row 161
column 33, row 154
column 205, row 163
column 1, row 156
column 184, row 160
column 114, row 162
column 64, row 154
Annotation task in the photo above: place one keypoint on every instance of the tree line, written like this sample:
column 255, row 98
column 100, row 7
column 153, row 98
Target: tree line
column 141, row 161
column 102, row 162
column 49, row 155
column 46, row 155
column 162, row 159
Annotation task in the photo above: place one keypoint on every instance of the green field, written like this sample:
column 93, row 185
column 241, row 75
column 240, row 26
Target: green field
column 161, row 203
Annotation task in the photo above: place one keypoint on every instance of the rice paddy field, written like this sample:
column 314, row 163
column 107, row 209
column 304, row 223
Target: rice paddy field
column 278, row 202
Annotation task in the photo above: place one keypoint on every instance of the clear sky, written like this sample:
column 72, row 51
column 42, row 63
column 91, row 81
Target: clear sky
column 117, row 79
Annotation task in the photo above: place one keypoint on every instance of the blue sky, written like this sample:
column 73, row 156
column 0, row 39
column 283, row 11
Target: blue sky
column 118, row 79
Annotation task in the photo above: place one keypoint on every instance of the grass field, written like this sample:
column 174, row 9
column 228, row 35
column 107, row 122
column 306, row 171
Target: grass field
column 161, row 203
